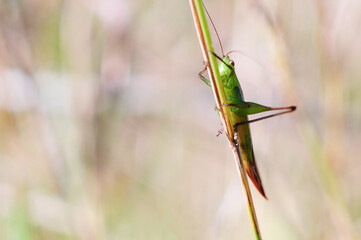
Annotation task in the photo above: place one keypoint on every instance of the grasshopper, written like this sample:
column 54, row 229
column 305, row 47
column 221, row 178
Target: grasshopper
column 241, row 109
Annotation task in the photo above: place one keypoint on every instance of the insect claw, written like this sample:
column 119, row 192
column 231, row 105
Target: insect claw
column 237, row 144
column 220, row 131
column 235, row 137
column 235, row 131
column 217, row 108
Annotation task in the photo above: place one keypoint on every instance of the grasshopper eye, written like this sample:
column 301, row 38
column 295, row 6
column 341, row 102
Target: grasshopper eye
column 231, row 62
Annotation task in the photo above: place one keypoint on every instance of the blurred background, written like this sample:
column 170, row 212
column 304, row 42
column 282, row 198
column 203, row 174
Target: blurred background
column 106, row 132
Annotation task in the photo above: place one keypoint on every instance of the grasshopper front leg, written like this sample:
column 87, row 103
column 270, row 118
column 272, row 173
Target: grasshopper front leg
column 205, row 80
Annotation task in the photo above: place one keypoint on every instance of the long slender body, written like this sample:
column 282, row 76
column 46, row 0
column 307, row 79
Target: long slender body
column 240, row 114
column 240, row 111
column 235, row 96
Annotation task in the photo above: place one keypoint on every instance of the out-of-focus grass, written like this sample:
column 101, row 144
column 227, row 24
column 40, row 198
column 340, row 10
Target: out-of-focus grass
column 106, row 132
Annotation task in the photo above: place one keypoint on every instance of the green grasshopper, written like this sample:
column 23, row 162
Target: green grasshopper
column 241, row 109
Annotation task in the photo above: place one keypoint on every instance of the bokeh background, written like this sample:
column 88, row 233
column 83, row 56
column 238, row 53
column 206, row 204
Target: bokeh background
column 107, row 133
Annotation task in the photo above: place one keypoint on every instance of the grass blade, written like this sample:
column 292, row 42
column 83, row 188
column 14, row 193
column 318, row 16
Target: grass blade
column 210, row 60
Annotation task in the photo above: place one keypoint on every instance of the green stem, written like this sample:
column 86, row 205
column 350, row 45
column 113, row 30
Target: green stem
column 205, row 41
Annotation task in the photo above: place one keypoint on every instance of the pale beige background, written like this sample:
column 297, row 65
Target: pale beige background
column 106, row 132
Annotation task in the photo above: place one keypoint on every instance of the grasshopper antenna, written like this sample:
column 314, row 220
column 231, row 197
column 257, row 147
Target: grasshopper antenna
column 214, row 27
column 250, row 58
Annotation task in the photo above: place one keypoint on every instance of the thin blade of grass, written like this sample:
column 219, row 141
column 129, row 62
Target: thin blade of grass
column 210, row 60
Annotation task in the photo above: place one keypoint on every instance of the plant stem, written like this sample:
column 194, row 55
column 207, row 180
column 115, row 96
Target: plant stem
column 210, row 60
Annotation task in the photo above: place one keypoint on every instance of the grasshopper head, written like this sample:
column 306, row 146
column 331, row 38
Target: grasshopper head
column 226, row 69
